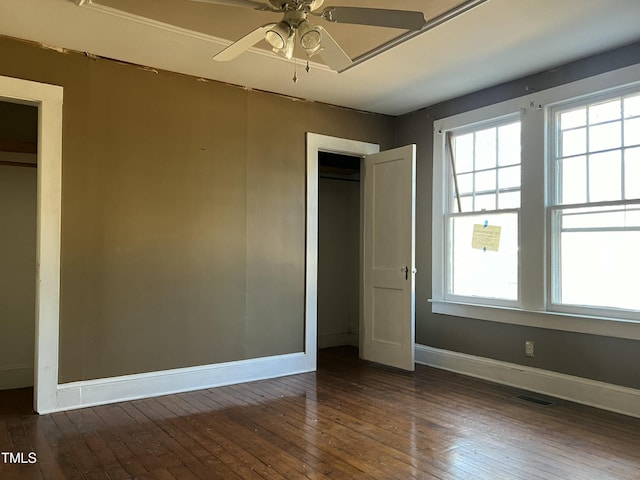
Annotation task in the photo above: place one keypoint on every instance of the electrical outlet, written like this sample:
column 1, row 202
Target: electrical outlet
column 529, row 348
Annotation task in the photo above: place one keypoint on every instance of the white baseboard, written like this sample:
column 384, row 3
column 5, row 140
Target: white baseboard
column 131, row 387
column 16, row 376
column 328, row 340
column 576, row 389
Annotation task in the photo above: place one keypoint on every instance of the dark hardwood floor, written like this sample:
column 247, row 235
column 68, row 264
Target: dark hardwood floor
column 350, row 420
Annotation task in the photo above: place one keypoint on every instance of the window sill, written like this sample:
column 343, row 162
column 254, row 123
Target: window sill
column 608, row 327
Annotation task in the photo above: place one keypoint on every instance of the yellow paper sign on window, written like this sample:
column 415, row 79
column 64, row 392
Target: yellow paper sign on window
column 486, row 237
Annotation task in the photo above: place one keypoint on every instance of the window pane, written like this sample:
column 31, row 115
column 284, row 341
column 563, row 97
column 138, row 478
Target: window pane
column 485, row 149
column 485, row 202
column 573, row 118
column 604, row 137
column 605, row 177
column 465, row 183
column 632, row 173
column 509, row 200
column 467, row 204
column 485, row 181
column 573, row 172
column 509, row 177
column 484, row 273
column 632, row 217
column 632, row 106
column 600, row 268
column 632, row 132
column 610, row 277
column 574, row 142
column 464, row 153
column 509, row 144
column 604, row 112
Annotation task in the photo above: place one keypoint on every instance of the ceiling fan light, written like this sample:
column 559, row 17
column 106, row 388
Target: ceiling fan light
column 278, row 35
column 310, row 36
column 312, row 51
column 311, row 39
column 287, row 51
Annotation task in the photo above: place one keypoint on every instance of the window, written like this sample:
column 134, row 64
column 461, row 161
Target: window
column 595, row 212
column 536, row 209
column 484, row 197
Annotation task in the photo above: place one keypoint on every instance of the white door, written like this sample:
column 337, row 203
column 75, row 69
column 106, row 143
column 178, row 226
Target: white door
column 389, row 258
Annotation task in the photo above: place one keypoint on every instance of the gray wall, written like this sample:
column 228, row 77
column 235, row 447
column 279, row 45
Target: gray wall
column 606, row 359
column 183, row 214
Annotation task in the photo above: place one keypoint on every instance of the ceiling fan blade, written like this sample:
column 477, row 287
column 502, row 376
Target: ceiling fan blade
column 332, row 53
column 379, row 17
column 246, row 42
column 238, row 3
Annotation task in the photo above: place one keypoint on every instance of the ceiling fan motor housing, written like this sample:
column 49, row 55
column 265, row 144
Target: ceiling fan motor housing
column 293, row 5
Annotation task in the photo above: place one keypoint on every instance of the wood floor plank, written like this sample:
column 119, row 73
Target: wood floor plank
column 349, row 420
column 287, row 435
column 223, row 448
column 392, row 423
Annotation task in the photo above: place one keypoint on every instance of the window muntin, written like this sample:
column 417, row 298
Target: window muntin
column 596, row 143
column 487, row 162
column 595, row 212
column 488, row 171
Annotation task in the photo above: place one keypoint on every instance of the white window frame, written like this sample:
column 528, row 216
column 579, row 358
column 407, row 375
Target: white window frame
column 533, row 308
column 447, row 207
column 554, row 205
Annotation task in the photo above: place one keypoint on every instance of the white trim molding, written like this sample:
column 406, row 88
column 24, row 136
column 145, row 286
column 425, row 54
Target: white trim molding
column 131, row 387
column 607, row 327
column 593, row 393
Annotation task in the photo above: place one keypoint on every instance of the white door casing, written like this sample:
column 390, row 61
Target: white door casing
column 400, row 354
column 315, row 144
column 388, row 334
column 48, row 99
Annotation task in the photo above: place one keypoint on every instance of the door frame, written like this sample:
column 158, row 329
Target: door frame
column 48, row 100
column 323, row 143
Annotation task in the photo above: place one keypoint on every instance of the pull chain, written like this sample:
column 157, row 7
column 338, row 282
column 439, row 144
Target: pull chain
column 295, row 62
column 295, row 70
column 295, row 59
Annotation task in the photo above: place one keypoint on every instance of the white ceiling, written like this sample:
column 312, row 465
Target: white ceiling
column 495, row 42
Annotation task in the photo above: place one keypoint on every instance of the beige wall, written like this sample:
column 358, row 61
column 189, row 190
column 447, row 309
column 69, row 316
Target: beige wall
column 183, row 214
column 17, row 274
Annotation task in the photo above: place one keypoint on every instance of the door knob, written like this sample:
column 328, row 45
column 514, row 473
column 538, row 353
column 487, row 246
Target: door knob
column 406, row 272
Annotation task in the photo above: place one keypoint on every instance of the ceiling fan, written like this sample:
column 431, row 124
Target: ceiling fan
column 314, row 39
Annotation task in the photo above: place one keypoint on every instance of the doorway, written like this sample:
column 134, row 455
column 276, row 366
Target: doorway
column 48, row 101
column 339, row 240
column 386, row 327
column 316, row 145
column 18, row 209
